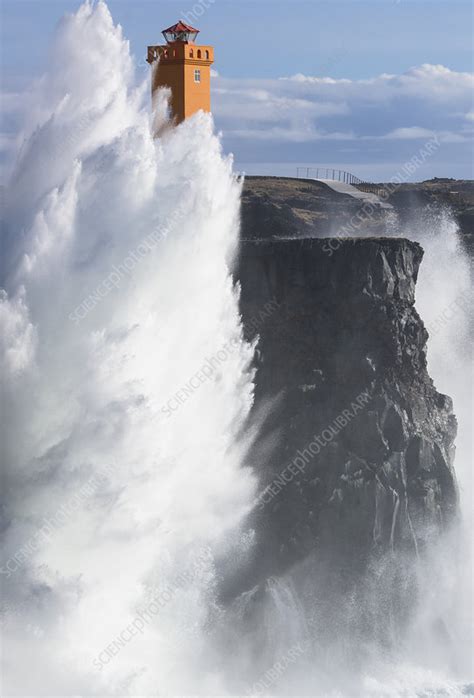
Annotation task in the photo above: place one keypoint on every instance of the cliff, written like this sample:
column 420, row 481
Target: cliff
column 355, row 455
column 284, row 207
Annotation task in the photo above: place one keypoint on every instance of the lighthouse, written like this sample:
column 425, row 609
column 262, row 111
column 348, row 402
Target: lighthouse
column 185, row 68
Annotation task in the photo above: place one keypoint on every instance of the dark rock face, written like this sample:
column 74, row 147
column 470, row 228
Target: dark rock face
column 355, row 456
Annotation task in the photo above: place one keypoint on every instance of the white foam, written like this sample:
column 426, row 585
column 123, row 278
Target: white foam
column 107, row 332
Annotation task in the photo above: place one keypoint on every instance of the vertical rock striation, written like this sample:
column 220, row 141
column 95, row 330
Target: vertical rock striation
column 355, row 456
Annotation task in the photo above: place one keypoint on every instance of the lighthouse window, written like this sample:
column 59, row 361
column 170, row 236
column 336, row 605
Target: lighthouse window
column 197, row 76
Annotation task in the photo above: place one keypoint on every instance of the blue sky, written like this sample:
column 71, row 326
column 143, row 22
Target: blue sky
column 268, row 38
column 260, row 41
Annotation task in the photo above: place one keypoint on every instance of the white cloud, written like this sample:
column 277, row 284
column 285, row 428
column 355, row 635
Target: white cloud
column 417, row 133
column 383, row 115
column 409, row 132
column 299, row 77
column 266, row 106
column 290, row 135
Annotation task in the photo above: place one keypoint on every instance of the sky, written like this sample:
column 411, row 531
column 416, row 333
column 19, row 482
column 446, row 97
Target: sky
column 352, row 84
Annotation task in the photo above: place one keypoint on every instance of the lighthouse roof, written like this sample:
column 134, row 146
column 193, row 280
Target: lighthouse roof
column 180, row 27
column 180, row 32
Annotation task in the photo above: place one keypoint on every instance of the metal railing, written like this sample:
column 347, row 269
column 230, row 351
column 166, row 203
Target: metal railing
column 339, row 176
column 370, row 188
column 329, row 173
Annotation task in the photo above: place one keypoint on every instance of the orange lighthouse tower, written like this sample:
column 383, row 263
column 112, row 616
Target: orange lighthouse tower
column 185, row 68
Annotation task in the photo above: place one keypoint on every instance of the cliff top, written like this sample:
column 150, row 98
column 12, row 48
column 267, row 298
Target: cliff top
column 275, row 207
